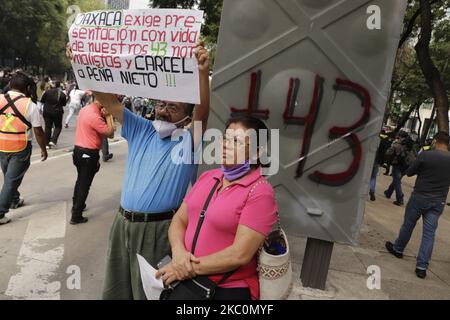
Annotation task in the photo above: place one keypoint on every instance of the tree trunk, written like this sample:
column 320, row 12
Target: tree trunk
column 431, row 73
column 427, row 126
column 387, row 112
column 419, row 131
column 409, row 29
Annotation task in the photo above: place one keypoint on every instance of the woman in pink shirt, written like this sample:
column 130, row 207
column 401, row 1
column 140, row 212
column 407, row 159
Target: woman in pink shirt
column 240, row 215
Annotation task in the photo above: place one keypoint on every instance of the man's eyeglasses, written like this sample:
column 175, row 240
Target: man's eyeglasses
column 170, row 108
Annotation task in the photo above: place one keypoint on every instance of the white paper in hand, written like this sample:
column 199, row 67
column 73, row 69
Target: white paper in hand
column 152, row 286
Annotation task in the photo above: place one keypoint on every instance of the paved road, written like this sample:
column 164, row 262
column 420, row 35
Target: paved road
column 40, row 246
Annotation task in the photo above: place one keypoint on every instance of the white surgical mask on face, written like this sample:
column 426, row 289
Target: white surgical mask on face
column 166, row 129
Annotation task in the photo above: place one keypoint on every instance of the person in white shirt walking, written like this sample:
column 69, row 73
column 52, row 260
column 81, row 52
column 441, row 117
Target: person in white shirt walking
column 76, row 95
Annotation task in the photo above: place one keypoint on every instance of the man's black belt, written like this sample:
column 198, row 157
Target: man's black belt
column 89, row 152
column 146, row 217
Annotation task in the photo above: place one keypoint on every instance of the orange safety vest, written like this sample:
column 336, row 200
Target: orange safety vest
column 13, row 125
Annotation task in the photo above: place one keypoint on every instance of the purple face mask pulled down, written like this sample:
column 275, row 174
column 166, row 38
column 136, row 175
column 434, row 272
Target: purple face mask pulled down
column 236, row 172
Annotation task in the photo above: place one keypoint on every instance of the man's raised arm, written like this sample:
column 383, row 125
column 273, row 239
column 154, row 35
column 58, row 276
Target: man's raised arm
column 201, row 111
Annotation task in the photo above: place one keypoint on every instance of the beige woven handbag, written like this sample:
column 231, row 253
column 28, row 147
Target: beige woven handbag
column 274, row 269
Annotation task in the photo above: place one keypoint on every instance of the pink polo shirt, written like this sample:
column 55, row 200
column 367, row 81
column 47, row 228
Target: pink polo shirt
column 91, row 128
column 228, row 210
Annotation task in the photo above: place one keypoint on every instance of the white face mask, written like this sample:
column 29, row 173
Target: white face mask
column 166, row 129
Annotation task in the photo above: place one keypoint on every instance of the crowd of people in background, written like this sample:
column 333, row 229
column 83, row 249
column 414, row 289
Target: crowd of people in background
column 50, row 99
column 55, row 97
column 430, row 162
column 397, row 151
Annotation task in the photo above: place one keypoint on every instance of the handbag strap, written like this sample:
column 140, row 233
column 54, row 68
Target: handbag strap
column 261, row 181
column 199, row 227
column 202, row 216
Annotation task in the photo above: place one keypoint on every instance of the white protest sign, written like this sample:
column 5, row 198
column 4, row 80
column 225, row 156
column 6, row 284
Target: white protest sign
column 146, row 53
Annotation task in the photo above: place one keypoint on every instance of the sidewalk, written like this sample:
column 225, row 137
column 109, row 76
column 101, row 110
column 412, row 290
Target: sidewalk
column 348, row 276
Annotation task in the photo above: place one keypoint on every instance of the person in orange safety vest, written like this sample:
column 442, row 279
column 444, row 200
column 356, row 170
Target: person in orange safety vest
column 19, row 118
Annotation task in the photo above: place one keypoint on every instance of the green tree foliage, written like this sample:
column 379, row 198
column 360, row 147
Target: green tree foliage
column 89, row 5
column 184, row 4
column 415, row 81
column 213, row 12
column 410, row 87
column 33, row 33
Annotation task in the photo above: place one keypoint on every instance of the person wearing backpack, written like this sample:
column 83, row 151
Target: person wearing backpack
column 388, row 158
column 427, row 201
column 403, row 155
column 54, row 101
column 19, row 119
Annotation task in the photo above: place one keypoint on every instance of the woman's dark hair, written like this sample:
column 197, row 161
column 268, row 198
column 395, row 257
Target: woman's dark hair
column 20, row 81
column 256, row 124
column 33, row 89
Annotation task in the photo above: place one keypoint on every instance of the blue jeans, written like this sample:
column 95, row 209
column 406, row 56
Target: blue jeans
column 14, row 167
column 396, row 184
column 373, row 178
column 431, row 211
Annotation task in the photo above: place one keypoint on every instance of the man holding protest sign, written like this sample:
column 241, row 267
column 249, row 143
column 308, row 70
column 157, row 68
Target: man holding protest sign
column 155, row 184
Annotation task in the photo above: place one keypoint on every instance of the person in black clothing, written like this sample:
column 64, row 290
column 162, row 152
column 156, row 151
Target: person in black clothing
column 403, row 155
column 54, row 101
column 388, row 161
column 427, row 201
column 127, row 103
column 385, row 144
column 33, row 90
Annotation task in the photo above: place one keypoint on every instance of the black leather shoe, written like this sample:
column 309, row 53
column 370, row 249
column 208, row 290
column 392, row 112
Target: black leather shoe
column 79, row 221
column 422, row 274
column 390, row 248
column 372, row 196
column 399, row 203
column 109, row 157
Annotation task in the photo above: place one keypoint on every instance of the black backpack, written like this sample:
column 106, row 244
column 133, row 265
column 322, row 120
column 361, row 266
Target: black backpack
column 406, row 157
